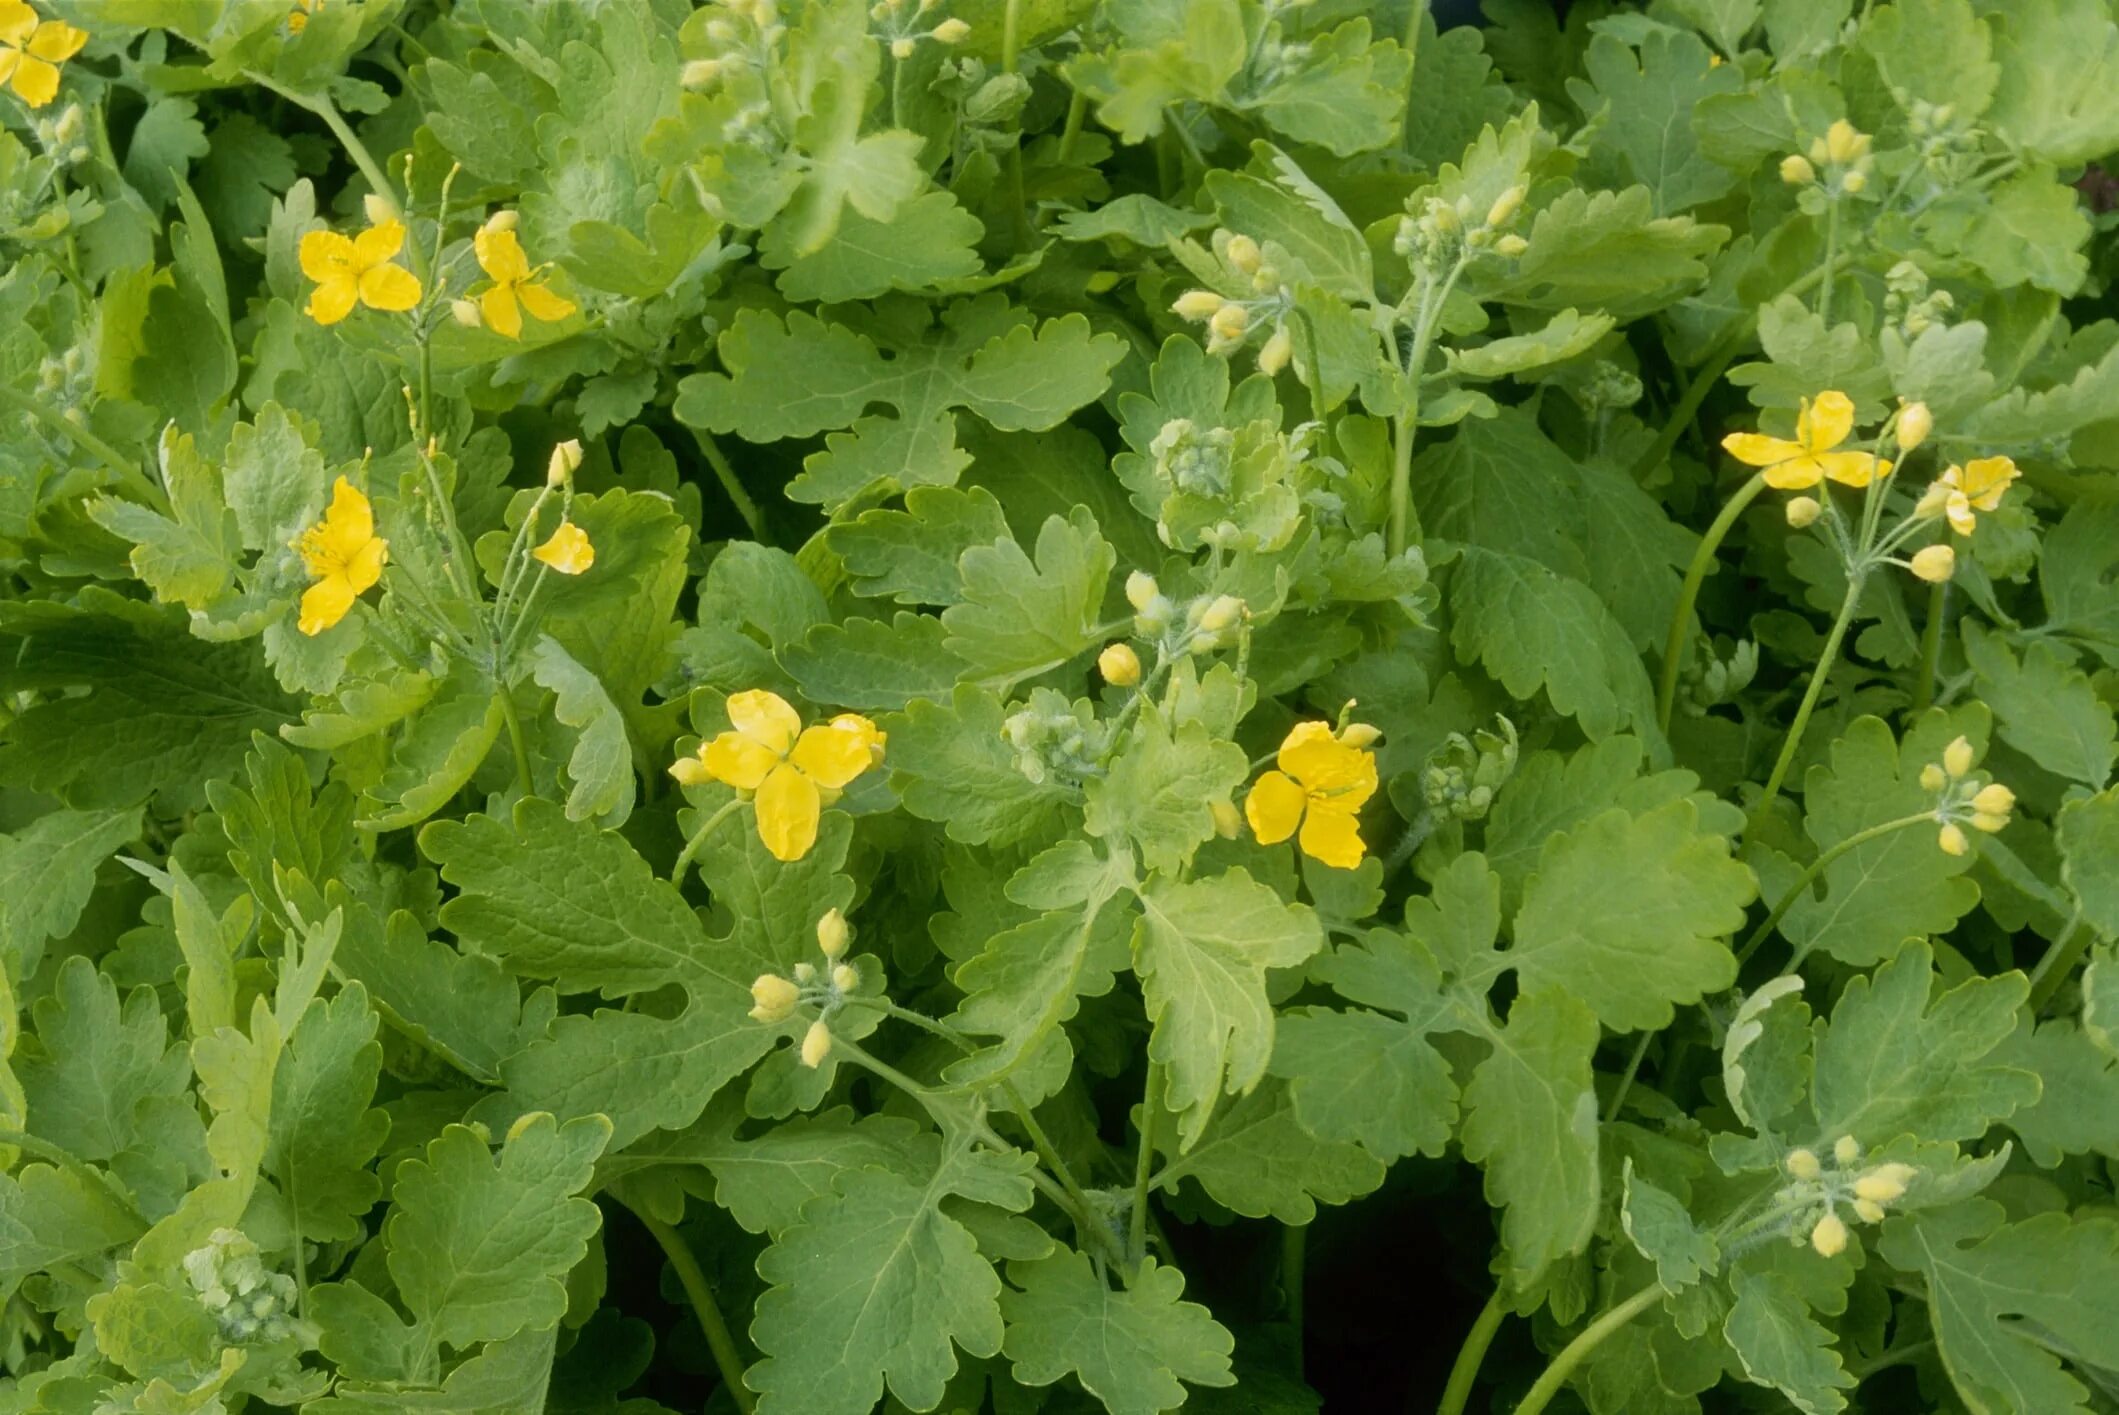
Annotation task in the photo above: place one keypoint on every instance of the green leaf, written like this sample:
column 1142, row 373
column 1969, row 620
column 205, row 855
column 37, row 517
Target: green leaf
column 2011, row 1302
column 324, row 1135
column 2028, row 230
column 48, row 874
column 479, row 1242
column 2077, row 1110
column 2057, row 61
column 97, row 1064
column 187, row 560
column 1256, row 1159
column 1322, row 247
column 1665, row 1233
column 1605, row 251
column 911, row 555
column 1565, row 335
column 1899, row 1060
column 1131, row 1349
column 1346, row 95
column 1781, row 1346
column 867, row 664
column 1202, row 949
column 1899, row 884
column 437, row 754
column 1365, row 1079
column 459, row 1005
column 50, row 1217
column 874, row 1286
column 2044, row 706
column 2088, row 832
column 1161, row 789
column 930, row 239
column 1533, row 629
column 1645, row 101
column 1018, row 619
column 601, row 765
column 951, row 764
column 1934, row 50
column 1804, row 354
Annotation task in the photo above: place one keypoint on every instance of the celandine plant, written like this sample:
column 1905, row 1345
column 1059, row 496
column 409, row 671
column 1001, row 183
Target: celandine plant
column 797, row 706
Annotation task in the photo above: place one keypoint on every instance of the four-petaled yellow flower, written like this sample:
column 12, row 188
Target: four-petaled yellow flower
column 568, row 550
column 343, row 554
column 1822, row 425
column 357, row 270
column 31, row 52
column 793, row 770
column 1977, row 485
column 515, row 286
column 1321, row 785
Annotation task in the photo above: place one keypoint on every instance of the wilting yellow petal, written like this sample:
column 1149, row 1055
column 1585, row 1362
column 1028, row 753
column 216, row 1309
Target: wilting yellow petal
column 788, row 806
column 765, row 718
column 1274, row 807
column 568, row 550
column 831, row 755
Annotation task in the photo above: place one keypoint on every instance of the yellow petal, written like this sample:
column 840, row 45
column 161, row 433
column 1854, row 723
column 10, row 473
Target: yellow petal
column 326, row 255
column 36, row 81
column 543, row 304
column 788, row 807
column 1324, row 764
column 389, row 287
column 765, row 718
column 1825, row 422
column 500, row 255
column 1755, row 449
column 831, row 755
column 333, row 299
column 325, row 603
column 1958, row 508
column 568, row 550
column 366, row 566
column 1331, row 836
column 1303, row 741
column 739, row 760
column 1851, row 468
column 503, row 315
column 378, row 243
column 350, row 521
column 17, row 22
column 1795, row 474
column 1984, row 479
column 1274, row 807
column 56, row 41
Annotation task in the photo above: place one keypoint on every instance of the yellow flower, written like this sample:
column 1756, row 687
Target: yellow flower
column 767, row 750
column 568, row 550
column 357, row 270
column 1822, row 425
column 1977, row 485
column 344, row 556
column 31, row 53
column 298, row 19
column 515, row 286
column 1321, row 785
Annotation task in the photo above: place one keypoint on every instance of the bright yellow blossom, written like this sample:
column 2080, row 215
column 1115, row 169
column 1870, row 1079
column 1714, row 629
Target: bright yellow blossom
column 1321, row 785
column 357, row 270
column 568, row 550
column 768, row 751
column 1822, row 425
column 31, row 52
column 1977, row 485
column 344, row 556
column 516, row 287
column 298, row 18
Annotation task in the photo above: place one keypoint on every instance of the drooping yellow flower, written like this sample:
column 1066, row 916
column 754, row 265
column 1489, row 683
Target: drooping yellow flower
column 344, row 556
column 1321, row 785
column 567, row 550
column 792, row 769
column 1822, row 425
column 1976, row 486
column 515, row 286
column 357, row 270
column 31, row 52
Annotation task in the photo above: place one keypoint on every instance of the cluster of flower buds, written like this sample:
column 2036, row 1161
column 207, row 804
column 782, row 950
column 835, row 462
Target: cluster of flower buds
column 1054, row 740
column 252, row 1303
column 1837, row 163
column 1231, row 321
column 1961, row 796
column 64, row 136
column 1461, row 776
column 1816, row 1192
column 1204, row 624
column 1909, row 303
column 825, row 988
column 1709, row 679
column 742, row 34
column 1436, row 233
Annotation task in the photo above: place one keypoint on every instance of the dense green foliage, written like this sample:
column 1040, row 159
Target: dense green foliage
column 1058, row 705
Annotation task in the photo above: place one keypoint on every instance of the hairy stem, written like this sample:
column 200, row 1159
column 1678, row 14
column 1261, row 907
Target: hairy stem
column 1816, row 689
column 1593, row 1336
column 692, row 1278
column 1151, row 1097
column 2059, row 961
column 1931, row 645
column 1666, row 690
column 523, row 778
column 1465, row 1372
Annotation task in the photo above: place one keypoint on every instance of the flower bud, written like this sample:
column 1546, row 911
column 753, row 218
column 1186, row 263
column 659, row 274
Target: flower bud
column 1884, row 1184
column 952, row 31
column 1933, row 778
column 691, row 770
column 1141, row 591
column 503, row 220
column 1119, row 664
column 845, row 977
column 1854, row 181
column 832, row 934
column 1915, row 422
column 1228, row 821
column 1952, row 840
column 1243, row 253
column 1360, row 735
column 1222, row 614
column 1229, row 322
column 1957, row 758
column 1101, row 281
column 1197, row 305
column 566, row 458
column 816, row 1044
column 1843, row 143
column 1273, row 354
column 1868, row 1211
column 775, row 997
column 1988, row 822
column 465, row 313
column 899, row 49
column 1796, row 170
column 1802, row 1164
column 1995, row 799
column 380, row 209
column 1511, row 246
column 1804, row 511
column 1505, row 207
column 1934, row 563
column 1829, row 1238
column 805, row 973
column 699, row 73
column 1845, row 1150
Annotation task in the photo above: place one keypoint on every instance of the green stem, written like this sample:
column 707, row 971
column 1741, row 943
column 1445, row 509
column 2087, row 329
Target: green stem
column 1931, row 645
column 1666, row 691
column 732, row 486
column 1048, row 1152
column 1688, row 404
column 1824, row 294
column 127, row 469
column 1593, row 1336
column 692, row 1278
column 1294, row 1256
column 1809, row 877
column 698, row 840
column 1144, row 1164
column 1633, row 1069
column 1011, row 35
column 2059, row 961
column 1465, row 1373
column 321, row 105
column 516, row 740
column 1816, row 689
column 1077, row 110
